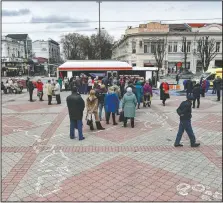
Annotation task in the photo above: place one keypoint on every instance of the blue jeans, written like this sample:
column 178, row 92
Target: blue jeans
column 100, row 107
column 76, row 124
column 185, row 125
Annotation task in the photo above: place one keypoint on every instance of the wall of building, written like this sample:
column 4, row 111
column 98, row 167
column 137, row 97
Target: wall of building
column 124, row 49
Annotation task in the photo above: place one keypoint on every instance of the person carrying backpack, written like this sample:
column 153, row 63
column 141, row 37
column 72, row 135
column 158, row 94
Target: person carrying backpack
column 185, row 113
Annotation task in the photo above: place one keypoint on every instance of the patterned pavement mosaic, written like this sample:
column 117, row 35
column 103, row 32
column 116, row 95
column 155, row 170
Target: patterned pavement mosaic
column 41, row 163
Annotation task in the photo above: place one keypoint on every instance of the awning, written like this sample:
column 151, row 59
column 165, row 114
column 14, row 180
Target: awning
column 97, row 74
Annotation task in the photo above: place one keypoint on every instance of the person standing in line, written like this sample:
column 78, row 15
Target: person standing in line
column 39, row 86
column 92, row 109
column 111, row 105
column 196, row 94
column 129, row 106
column 49, row 90
column 177, row 79
column 185, row 113
column 76, row 106
column 57, row 92
column 30, row 88
column 139, row 93
column 218, row 84
column 164, row 92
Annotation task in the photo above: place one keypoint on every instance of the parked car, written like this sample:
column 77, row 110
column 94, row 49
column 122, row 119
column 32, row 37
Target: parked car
column 186, row 75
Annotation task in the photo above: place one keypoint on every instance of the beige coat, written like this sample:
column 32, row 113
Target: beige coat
column 49, row 89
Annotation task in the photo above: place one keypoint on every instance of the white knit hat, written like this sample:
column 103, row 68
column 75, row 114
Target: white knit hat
column 129, row 89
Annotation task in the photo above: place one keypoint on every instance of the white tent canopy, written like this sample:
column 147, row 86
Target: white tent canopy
column 88, row 65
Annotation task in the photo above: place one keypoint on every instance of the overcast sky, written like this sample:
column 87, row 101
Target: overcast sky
column 143, row 12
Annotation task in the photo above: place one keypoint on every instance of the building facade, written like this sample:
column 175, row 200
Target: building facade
column 26, row 41
column 13, row 57
column 49, row 49
column 136, row 46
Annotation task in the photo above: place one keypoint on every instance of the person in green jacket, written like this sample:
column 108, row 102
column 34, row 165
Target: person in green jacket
column 139, row 93
column 129, row 106
column 60, row 81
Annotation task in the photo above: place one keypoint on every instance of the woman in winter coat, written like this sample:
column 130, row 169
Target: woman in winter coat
column 92, row 109
column 39, row 86
column 164, row 92
column 111, row 105
column 147, row 94
column 139, row 93
column 196, row 94
column 129, row 106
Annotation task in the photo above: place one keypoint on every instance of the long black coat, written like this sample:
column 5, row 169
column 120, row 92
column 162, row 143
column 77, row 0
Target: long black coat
column 218, row 84
column 189, row 86
column 76, row 106
column 196, row 91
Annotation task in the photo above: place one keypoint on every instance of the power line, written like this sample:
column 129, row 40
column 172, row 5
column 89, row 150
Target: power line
column 110, row 21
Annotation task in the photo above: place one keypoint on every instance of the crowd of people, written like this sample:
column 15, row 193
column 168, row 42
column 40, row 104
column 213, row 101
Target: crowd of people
column 11, row 86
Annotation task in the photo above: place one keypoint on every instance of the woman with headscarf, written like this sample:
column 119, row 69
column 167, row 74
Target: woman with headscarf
column 139, row 92
column 111, row 105
column 164, row 92
column 129, row 106
column 147, row 94
column 92, row 109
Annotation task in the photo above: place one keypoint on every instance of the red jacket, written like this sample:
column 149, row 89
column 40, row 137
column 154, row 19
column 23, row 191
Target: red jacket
column 39, row 86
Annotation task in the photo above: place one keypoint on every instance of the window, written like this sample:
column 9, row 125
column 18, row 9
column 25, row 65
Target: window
column 134, row 64
column 133, row 47
column 188, row 46
column 175, row 47
column 170, row 47
column 153, row 47
column 218, row 44
column 145, row 49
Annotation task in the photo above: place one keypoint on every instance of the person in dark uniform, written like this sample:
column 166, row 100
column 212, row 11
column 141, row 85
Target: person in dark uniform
column 30, row 88
column 218, row 84
column 185, row 113
column 189, row 87
column 196, row 94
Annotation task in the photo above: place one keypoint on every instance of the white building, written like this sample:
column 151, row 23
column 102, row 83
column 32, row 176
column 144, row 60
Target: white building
column 13, row 55
column 135, row 46
column 49, row 49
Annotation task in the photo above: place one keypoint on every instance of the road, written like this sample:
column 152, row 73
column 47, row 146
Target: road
column 41, row 163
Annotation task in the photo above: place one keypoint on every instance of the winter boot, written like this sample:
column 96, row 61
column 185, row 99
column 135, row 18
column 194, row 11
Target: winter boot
column 138, row 106
column 113, row 118
column 92, row 127
column 98, row 125
column 195, row 144
column 132, row 123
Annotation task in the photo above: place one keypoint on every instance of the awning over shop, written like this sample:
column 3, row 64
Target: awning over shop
column 89, row 65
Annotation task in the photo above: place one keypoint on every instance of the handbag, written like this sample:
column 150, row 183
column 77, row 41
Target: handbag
column 121, row 117
column 89, row 121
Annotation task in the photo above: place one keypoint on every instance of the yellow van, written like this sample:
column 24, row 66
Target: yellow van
column 212, row 74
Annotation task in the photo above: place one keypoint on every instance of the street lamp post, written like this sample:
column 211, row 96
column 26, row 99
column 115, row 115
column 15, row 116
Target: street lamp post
column 99, row 27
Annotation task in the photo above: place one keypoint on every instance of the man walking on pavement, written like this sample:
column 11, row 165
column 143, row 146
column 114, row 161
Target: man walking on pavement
column 30, row 88
column 76, row 106
column 49, row 89
column 184, row 111
column 177, row 79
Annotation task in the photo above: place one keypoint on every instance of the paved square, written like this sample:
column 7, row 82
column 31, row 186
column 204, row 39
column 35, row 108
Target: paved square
column 41, row 163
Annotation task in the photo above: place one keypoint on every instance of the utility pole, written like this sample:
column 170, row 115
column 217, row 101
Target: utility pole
column 99, row 27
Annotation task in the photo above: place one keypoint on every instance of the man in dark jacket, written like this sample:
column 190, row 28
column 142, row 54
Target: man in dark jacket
column 214, row 87
column 184, row 111
column 30, row 88
column 76, row 106
column 189, row 87
column 100, row 94
column 218, row 82
column 196, row 94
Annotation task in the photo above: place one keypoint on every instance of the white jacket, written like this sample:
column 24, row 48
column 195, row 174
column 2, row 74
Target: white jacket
column 57, row 89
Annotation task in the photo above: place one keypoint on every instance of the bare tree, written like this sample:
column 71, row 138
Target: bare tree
column 185, row 51
column 158, row 49
column 206, row 51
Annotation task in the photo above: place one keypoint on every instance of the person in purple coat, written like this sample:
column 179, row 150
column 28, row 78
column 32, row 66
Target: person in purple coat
column 111, row 105
column 147, row 94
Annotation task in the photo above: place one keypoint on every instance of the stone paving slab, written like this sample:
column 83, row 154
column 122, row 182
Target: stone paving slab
column 41, row 163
